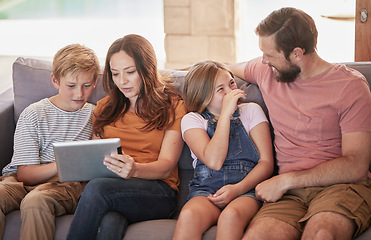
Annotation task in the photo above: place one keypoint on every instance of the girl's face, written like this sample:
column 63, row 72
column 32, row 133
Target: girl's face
column 224, row 83
column 125, row 75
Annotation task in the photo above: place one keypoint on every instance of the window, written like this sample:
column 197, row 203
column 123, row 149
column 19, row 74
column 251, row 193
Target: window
column 335, row 36
column 39, row 28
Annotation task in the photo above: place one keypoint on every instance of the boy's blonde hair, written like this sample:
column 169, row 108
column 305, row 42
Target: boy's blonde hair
column 75, row 59
column 199, row 85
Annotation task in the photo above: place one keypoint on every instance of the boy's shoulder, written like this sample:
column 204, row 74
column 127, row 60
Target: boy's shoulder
column 36, row 107
column 45, row 107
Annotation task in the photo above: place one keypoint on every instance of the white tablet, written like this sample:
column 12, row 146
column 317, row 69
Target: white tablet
column 83, row 160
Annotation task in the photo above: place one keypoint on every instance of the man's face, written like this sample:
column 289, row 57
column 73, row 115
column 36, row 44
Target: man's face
column 283, row 70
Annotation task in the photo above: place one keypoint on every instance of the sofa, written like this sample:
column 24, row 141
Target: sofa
column 31, row 82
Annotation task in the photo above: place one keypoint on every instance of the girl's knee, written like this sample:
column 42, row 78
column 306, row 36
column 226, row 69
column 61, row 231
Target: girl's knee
column 230, row 215
column 188, row 216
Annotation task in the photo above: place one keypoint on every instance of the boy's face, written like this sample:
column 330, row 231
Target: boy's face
column 74, row 91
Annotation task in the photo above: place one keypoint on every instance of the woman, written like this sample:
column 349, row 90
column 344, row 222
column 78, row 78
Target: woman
column 145, row 113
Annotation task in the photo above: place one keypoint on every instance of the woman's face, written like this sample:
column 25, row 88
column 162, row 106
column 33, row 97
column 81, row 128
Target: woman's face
column 125, row 75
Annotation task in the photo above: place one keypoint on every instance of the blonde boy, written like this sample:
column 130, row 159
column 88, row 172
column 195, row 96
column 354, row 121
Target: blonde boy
column 30, row 181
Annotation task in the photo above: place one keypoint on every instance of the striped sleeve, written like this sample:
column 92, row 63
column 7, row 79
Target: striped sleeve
column 42, row 124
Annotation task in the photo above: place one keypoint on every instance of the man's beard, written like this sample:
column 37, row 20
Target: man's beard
column 289, row 75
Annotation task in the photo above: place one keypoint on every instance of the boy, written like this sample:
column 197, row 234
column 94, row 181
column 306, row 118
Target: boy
column 30, row 181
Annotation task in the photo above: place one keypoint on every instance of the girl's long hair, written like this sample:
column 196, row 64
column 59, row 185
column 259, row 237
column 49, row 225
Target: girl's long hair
column 154, row 102
column 199, row 84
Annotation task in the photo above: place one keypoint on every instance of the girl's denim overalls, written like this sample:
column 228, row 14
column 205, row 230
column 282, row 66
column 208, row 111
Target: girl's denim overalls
column 242, row 156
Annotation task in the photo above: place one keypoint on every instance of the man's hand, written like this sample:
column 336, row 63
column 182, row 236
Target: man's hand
column 271, row 190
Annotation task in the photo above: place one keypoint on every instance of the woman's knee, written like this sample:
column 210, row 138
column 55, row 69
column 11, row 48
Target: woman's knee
column 95, row 187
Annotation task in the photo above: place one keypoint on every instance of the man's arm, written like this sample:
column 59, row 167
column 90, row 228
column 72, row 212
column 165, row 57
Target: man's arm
column 238, row 69
column 352, row 166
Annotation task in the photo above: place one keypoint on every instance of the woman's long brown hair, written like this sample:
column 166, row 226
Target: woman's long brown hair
column 154, row 102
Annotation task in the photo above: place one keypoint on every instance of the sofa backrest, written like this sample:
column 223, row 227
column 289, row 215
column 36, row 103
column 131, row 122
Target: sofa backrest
column 362, row 67
column 32, row 82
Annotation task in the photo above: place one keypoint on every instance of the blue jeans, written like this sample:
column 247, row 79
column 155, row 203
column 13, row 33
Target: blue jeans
column 113, row 226
column 134, row 199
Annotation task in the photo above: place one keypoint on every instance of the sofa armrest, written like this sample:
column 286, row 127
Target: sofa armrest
column 7, row 125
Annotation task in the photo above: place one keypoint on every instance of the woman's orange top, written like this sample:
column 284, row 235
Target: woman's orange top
column 142, row 145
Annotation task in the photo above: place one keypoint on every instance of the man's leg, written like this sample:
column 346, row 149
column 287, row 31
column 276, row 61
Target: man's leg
column 279, row 220
column 268, row 228
column 327, row 226
column 340, row 211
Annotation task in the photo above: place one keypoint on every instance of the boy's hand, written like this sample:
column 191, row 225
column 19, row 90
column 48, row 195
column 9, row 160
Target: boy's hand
column 121, row 164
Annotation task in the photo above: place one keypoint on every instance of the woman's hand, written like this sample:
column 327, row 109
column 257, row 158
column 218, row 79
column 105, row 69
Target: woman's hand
column 121, row 164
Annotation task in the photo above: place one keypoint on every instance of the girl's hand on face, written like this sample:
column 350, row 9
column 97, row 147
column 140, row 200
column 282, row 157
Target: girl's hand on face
column 230, row 100
column 121, row 164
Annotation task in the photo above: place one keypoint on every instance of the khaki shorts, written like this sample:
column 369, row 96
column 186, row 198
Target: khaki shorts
column 298, row 205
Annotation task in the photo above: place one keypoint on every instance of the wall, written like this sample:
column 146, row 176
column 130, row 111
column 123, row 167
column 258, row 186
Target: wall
column 363, row 32
column 197, row 30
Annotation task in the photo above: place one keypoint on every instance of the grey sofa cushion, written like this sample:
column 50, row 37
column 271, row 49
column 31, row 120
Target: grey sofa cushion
column 7, row 127
column 159, row 229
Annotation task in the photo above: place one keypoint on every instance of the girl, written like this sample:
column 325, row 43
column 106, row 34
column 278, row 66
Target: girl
column 145, row 113
column 232, row 151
